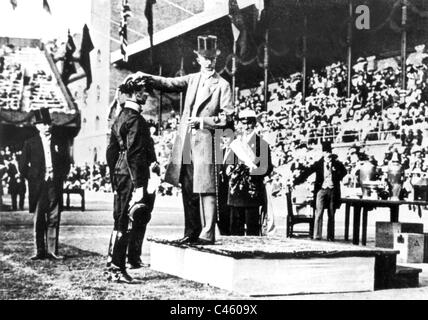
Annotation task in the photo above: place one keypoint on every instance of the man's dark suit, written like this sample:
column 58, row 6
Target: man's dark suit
column 325, row 197
column 245, row 209
column 129, row 155
column 45, row 195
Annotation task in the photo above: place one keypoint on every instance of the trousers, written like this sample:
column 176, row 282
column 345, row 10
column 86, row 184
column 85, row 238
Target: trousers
column 245, row 221
column 47, row 219
column 14, row 197
column 125, row 242
column 199, row 209
column 324, row 200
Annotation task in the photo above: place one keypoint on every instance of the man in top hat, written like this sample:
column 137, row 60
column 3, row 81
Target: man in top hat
column 45, row 164
column 208, row 106
column 329, row 172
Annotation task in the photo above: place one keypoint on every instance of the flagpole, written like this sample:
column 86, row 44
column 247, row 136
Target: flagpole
column 266, row 67
column 160, row 105
column 234, row 74
column 305, row 49
column 181, row 93
column 403, row 43
column 349, row 44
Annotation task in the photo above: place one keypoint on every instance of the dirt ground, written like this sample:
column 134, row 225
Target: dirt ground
column 84, row 239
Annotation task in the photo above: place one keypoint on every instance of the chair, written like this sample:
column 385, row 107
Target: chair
column 80, row 192
column 293, row 218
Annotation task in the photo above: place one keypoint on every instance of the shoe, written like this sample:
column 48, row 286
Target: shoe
column 53, row 256
column 204, row 242
column 123, row 277
column 136, row 265
column 39, row 256
column 186, row 240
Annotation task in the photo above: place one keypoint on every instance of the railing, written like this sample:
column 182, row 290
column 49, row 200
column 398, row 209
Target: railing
column 339, row 134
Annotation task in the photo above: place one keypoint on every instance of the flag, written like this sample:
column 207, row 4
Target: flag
column 239, row 29
column 68, row 67
column 46, row 6
column 14, row 3
column 85, row 59
column 236, row 19
column 148, row 12
column 123, row 29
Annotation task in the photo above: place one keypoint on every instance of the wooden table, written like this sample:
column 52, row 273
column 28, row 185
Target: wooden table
column 367, row 205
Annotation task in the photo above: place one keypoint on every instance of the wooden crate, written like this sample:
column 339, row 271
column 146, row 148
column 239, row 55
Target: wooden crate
column 411, row 247
column 385, row 232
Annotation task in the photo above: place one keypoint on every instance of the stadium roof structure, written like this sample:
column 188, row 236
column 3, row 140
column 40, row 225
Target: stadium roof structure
column 178, row 29
column 326, row 34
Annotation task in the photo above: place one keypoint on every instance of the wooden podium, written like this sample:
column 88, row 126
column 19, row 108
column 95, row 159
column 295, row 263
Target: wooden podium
column 260, row 266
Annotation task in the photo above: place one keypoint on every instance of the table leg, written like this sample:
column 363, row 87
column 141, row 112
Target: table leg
column 364, row 235
column 357, row 219
column 68, row 200
column 347, row 212
column 395, row 213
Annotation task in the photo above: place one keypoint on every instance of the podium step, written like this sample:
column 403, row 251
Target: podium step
column 406, row 277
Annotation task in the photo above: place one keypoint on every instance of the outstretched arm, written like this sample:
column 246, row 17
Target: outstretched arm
column 163, row 83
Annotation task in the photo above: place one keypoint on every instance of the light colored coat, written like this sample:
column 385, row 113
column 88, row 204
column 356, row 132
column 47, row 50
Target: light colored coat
column 215, row 108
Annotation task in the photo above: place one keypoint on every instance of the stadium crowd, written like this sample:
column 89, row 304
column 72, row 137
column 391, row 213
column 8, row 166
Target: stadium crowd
column 376, row 110
column 26, row 81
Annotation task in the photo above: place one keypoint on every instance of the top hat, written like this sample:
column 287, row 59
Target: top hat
column 326, row 146
column 42, row 116
column 207, row 46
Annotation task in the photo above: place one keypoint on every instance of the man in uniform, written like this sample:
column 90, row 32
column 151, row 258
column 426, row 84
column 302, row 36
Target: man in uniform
column 45, row 163
column 208, row 106
column 129, row 156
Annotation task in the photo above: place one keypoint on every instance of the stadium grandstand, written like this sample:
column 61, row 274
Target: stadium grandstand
column 30, row 80
column 327, row 79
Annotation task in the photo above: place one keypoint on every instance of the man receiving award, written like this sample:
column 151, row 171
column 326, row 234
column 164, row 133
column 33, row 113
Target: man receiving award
column 208, row 106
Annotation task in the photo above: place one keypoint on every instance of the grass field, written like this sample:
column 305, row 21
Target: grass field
column 79, row 276
column 84, row 239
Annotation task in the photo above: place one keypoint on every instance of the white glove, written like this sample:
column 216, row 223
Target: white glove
column 137, row 195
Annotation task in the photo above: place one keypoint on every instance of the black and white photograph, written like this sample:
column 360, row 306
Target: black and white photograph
column 192, row 151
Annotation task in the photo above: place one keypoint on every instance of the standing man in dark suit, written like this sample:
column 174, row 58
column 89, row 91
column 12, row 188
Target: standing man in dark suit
column 45, row 163
column 329, row 172
column 208, row 106
column 129, row 156
column 245, row 203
